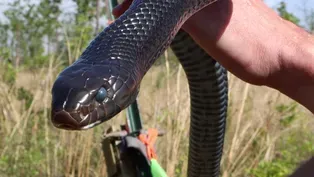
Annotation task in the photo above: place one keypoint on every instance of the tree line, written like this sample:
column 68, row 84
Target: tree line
column 32, row 33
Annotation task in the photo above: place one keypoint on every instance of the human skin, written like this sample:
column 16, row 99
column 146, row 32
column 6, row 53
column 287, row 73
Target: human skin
column 251, row 41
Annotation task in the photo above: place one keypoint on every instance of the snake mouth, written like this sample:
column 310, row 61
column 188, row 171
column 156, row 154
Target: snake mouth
column 75, row 121
column 84, row 117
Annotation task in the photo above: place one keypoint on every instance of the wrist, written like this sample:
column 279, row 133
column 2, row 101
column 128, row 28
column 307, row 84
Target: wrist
column 295, row 78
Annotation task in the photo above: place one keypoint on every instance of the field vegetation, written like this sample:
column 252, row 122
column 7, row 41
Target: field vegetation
column 268, row 134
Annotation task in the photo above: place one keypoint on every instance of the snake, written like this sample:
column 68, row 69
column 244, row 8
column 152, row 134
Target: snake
column 106, row 78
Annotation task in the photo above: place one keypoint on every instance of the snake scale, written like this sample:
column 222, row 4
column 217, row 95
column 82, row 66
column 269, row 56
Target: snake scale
column 106, row 78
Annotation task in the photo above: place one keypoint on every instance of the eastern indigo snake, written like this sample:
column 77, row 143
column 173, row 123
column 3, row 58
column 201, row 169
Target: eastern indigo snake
column 107, row 76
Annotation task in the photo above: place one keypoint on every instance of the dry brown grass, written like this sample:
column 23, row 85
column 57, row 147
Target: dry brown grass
column 253, row 127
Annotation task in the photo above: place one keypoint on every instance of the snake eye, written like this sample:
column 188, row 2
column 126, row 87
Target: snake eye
column 101, row 95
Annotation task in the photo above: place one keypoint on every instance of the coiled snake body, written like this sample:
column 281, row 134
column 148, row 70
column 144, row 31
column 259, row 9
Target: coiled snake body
column 106, row 77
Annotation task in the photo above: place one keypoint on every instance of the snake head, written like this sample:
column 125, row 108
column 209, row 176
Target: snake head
column 86, row 95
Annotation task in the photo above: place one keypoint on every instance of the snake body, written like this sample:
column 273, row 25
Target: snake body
column 107, row 76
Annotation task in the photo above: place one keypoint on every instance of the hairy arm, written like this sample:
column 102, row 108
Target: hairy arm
column 258, row 46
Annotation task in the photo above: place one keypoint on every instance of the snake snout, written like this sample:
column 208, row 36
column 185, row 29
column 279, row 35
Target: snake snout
column 71, row 114
column 82, row 119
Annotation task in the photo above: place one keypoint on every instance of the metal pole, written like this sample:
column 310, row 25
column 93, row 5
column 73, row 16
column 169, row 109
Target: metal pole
column 112, row 4
column 134, row 118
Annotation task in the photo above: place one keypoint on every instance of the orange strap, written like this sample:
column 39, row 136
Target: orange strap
column 149, row 140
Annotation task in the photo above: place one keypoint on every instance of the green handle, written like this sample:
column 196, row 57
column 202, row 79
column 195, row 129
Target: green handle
column 156, row 169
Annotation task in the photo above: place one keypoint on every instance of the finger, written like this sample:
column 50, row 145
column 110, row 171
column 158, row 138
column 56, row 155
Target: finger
column 121, row 8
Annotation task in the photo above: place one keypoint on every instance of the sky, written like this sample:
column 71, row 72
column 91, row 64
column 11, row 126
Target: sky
column 294, row 6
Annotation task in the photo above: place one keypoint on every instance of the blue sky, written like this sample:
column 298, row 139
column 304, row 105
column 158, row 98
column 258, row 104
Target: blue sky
column 294, row 6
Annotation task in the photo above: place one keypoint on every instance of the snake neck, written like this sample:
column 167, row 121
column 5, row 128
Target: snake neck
column 141, row 35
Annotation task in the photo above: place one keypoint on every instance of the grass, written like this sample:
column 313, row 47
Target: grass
column 268, row 134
